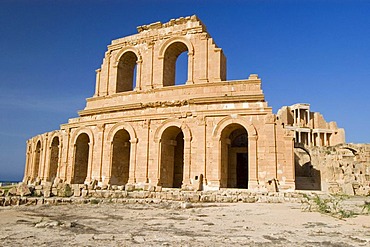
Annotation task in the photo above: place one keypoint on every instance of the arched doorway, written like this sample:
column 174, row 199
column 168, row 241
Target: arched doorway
column 172, row 158
column 126, row 78
column 170, row 61
column 120, row 158
column 306, row 176
column 234, row 157
column 81, row 159
column 54, row 159
column 36, row 163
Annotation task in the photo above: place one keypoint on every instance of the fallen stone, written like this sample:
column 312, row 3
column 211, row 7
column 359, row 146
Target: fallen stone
column 23, row 190
column 65, row 191
column 38, row 187
column 185, row 205
column 158, row 188
column 130, row 187
column 84, row 192
column 12, row 191
column 76, row 190
column 93, row 184
column 45, row 224
column 47, row 193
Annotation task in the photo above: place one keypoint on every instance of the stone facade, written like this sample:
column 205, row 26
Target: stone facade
column 310, row 128
column 142, row 129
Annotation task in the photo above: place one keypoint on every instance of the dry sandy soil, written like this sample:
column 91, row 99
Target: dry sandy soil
column 170, row 224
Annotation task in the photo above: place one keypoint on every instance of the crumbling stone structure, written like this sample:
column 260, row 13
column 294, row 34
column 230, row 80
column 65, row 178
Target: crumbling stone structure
column 310, row 128
column 323, row 161
column 340, row 169
column 142, row 128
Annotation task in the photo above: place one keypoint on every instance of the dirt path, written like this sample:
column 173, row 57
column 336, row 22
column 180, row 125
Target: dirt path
column 169, row 224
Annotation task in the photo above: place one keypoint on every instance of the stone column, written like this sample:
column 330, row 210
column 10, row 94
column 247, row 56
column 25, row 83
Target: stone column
column 90, row 163
column 253, row 162
column 108, row 174
column 308, row 118
column 139, row 64
column 67, row 165
column 97, row 83
column 187, row 161
column 132, row 171
column 190, row 79
column 43, row 158
column 289, row 173
column 159, row 159
column 59, row 162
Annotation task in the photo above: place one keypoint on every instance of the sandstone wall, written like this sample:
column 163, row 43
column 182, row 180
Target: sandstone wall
column 341, row 169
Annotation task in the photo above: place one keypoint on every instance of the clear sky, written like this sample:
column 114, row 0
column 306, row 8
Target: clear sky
column 315, row 52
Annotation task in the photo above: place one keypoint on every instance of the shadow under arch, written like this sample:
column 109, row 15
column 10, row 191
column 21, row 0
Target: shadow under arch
column 83, row 143
column 173, row 143
column 218, row 134
column 122, row 153
column 306, row 176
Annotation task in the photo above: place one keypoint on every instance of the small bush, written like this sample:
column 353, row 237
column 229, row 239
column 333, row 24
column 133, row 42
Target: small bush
column 366, row 207
column 94, row 201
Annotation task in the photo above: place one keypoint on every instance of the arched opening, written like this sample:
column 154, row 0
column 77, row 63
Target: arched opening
column 81, row 159
column 234, row 157
column 171, row 70
column 120, row 158
column 126, row 72
column 54, row 159
column 306, row 176
column 172, row 158
column 36, row 164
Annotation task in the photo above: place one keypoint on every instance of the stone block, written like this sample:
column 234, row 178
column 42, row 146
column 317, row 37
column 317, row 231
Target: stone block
column 84, row 192
column 348, row 189
column 76, row 190
column 158, row 188
column 47, row 193
column 23, row 190
column 151, row 188
column 129, row 187
column 54, row 191
column 12, row 191
column 65, row 191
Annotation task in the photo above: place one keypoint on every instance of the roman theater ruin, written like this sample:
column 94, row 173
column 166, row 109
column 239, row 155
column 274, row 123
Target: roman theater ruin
column 143, row 128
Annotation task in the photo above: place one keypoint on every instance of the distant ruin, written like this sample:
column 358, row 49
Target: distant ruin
column 141, row 128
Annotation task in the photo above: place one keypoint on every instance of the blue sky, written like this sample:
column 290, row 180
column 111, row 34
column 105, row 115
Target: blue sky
column 315, row 52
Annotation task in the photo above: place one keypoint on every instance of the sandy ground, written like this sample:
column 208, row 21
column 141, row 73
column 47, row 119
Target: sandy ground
column 169, row 224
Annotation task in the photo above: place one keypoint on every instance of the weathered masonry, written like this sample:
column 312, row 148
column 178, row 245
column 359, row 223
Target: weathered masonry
column 141, row 127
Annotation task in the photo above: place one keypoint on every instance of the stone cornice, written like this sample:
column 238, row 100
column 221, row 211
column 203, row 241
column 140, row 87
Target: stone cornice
column 93, row 121
column 256, row 82
column 174, row 103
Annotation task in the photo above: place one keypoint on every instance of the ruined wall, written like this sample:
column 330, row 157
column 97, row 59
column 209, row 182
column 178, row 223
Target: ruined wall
column 341, row 169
